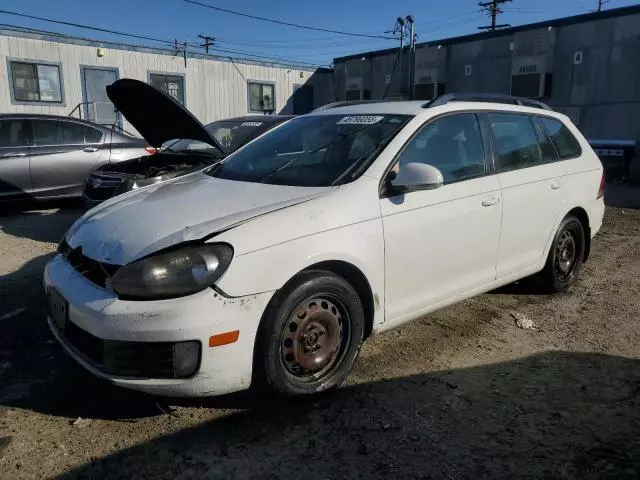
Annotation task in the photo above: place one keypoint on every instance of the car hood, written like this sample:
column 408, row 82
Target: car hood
column 157, row 116
column 188, row 208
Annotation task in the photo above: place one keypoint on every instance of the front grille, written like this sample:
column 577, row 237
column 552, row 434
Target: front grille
column 94, row 271
column 103, row 187
column 124, row 359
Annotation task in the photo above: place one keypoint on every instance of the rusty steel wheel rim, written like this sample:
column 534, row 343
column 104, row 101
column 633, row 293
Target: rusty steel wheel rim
column 314, row 338
column 566, row 255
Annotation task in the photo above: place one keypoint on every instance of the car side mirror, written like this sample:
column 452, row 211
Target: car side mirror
column 413, row 177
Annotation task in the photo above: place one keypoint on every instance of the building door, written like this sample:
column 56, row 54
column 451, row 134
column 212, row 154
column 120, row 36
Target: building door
column 302, row 99
column 98, row 108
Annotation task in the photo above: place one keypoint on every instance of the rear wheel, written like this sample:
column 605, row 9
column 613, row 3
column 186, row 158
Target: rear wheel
column 565, row 256
column 311, row 335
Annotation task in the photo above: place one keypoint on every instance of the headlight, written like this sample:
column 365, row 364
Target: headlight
column 172, row 274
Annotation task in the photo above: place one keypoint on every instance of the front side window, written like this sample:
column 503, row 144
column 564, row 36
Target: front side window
column 172, row 85
column 13, row 133
column 318, row 150
column 262, row 97
column 34, row 82
column 452, row 144
column 515, row 141
column 564, row 141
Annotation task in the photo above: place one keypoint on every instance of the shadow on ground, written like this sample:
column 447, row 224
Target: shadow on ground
column 553, row 415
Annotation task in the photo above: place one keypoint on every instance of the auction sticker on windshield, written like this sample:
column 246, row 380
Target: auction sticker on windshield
column 250, row 124
column 360, row 120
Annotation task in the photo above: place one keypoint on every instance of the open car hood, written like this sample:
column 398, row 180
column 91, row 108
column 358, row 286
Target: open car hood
column 157, row 116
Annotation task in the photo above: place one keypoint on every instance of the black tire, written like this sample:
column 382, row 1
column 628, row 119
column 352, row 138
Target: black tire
column 317, row 315
column 565, row 256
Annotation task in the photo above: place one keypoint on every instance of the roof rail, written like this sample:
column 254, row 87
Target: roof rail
column 346, row 103
column 486, row 97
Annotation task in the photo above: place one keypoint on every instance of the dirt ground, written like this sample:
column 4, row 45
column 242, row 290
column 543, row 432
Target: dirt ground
column 461, row 393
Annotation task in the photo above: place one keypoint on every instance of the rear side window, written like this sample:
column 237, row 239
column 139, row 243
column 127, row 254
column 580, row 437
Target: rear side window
column 516, row 144
column 13, row 133
column 92, row 135
column 564, row 141
column 53, row 132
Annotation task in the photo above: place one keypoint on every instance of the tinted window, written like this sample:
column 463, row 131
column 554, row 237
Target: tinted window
column 52, row 132
column 92, row 135
column 13, row 133
column 515, row 141
column 318, row 150
column 45, row 132
column 70, row 133
column 548, row 154
column 562, row 138
column 452, row 144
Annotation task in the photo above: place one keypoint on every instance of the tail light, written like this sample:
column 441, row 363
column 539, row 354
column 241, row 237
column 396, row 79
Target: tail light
column 603, row 183
column 151, row 150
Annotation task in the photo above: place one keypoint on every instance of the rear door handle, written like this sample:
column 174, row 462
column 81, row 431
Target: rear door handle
column 490, row 201
column 555, row 185
column 90, row 149
column 9, row 155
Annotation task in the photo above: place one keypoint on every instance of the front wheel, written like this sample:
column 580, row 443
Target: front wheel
column 311, row 335
column 565, row 256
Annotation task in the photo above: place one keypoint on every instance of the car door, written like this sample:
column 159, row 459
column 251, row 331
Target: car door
column 61, row 159
column 442, row 243
column 15, row 178
column 532, row 189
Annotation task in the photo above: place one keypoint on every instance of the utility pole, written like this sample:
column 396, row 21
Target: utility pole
column 208, row 42
column 412, row 56
column 400, row 29
column 601, row 4
column 492, row 8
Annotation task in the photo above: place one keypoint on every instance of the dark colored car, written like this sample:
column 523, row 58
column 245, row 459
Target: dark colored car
column 198, row 147
column 49, row 156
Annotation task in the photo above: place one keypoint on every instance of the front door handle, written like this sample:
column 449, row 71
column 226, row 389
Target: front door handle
column 90, row 149
column 555, row 185
column 490, row 201
column 9, row 155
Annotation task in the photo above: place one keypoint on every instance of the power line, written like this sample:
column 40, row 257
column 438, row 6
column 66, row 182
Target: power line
column 492, row 9
column 175, row 47
column 97, row 29
column 280, row 22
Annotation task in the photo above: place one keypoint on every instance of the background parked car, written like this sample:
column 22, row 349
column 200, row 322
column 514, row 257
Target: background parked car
column 47, row 156
column 177, row 157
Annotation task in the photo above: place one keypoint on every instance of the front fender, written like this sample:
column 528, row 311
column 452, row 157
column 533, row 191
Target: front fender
column 360, row 244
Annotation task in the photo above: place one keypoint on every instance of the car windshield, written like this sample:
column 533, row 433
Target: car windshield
column 230, row 134
column 317, row 150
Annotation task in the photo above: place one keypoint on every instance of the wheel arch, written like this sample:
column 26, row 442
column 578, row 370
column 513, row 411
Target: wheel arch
column 581, row 214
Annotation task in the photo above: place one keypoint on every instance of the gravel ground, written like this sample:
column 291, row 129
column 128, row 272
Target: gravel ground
column 461, row 393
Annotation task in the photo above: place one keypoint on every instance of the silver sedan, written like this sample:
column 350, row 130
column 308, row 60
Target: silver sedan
column 48, row 156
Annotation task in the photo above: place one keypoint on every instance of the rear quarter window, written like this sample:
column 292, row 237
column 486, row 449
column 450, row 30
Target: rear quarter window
column 566, row 144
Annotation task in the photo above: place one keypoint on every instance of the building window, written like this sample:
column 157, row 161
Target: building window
column 172, row 85
column 36, row 82
column 262, row 97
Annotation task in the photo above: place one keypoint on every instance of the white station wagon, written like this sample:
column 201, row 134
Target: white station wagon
column 273, row 266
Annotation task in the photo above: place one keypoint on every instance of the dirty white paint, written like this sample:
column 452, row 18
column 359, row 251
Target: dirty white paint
column 417, row 251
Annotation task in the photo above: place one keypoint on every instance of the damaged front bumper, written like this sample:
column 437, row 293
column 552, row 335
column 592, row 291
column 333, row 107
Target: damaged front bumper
column 116, row 339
